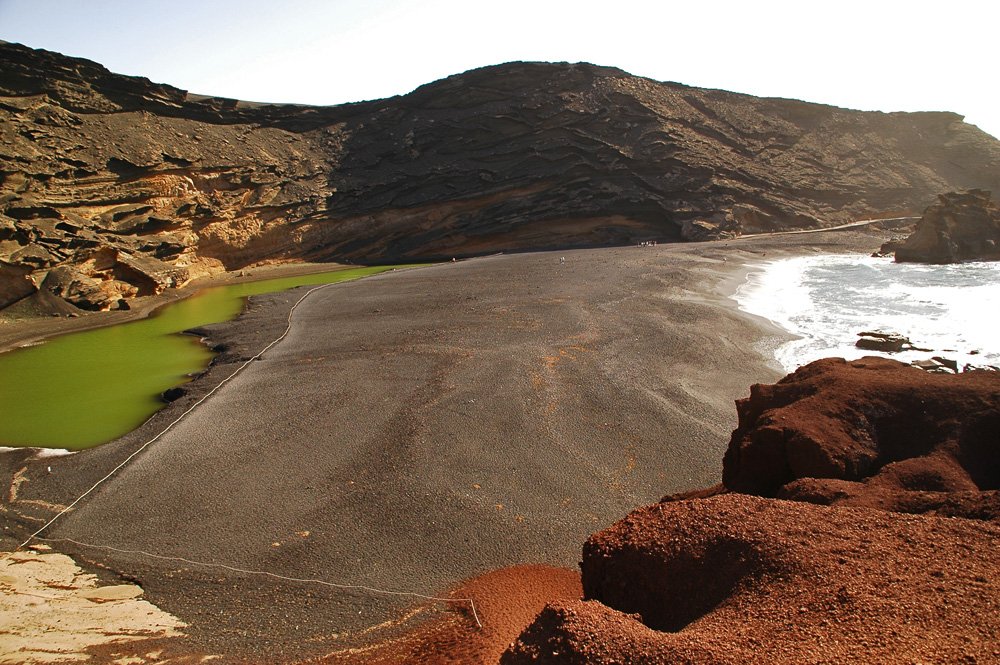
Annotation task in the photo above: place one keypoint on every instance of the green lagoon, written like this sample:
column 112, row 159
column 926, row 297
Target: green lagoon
column 82, row 389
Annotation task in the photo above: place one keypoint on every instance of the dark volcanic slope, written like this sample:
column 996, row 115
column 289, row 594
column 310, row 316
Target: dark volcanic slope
column 134, row 187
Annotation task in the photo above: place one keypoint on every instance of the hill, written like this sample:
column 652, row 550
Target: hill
column 114, row 186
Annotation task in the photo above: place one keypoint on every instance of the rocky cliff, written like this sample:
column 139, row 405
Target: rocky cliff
column 882, row 572
column 961, row 226
column 113, row 186
column 872, row 432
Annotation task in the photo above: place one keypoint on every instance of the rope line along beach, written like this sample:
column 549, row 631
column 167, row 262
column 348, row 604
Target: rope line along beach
column 37, row 534
column 179, row 418
column 247, row 571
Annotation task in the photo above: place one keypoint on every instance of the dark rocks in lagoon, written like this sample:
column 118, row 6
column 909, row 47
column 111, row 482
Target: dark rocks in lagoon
column 173, row 394
column 961, row 226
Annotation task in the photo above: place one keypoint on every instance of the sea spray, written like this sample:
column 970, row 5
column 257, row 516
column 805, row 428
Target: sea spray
column 827, row 300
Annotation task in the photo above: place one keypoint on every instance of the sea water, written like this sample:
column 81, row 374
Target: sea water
column 826, row 300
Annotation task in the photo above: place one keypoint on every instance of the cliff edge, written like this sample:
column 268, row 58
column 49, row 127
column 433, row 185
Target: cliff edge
column 125, row 187
column 883, row 551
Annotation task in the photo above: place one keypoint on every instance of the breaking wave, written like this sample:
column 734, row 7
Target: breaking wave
column 827, row 300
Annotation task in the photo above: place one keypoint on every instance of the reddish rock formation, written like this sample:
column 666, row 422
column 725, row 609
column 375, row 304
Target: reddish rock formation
column 871, row 432
column 961, row 226
column 507, row 600
column 517, row 156
column 719, row 577
column 736, row 579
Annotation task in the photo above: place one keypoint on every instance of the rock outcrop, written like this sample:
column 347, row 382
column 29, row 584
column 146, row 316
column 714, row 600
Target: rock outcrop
column 872, row 432
column 737, row 579
column 961, row 226
column 516, row 156
column 721, row 576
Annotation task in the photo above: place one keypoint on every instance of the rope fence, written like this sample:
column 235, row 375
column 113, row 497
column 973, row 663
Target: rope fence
column 37, row 534
column 264, row 573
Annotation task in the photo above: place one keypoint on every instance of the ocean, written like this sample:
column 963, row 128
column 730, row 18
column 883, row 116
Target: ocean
column 827, row 300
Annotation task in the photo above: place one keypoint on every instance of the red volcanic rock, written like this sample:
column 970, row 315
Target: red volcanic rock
column 586, row 632
column 740, row 579
column 507, row 600
column 871, row 432
column 719, row 577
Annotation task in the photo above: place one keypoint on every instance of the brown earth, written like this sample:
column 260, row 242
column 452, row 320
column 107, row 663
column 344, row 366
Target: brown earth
column 506, row 601
column 740, row 579
column 720, row 577
column 114, row 188
column 872, row 432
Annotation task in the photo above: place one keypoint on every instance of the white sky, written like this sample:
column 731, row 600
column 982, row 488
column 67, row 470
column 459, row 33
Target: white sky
column 888, row 55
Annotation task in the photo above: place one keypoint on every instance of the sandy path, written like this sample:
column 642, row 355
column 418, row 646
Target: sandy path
column 418, row 428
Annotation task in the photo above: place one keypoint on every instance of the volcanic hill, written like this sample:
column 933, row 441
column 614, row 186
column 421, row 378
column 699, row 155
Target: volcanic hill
column 113, row 186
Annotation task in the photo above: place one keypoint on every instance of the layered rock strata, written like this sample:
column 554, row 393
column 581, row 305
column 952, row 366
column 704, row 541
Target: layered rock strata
column 101, row 172
column 961, row 226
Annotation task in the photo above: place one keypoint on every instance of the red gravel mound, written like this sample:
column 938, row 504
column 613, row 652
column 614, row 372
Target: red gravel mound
column 739, row 579
column 507, row 600
column 872, row 432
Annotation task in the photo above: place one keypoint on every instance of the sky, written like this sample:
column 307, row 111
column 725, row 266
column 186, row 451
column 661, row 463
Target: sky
column 886, row 55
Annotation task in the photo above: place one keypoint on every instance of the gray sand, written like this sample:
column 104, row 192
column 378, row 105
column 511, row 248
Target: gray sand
column 422, row 426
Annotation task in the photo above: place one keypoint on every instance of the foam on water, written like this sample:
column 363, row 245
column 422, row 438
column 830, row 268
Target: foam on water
column 827, row 300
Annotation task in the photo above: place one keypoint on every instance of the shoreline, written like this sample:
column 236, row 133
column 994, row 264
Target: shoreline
column 433, row 428
column 17, row 330
column 820, row 325
column 20, row 331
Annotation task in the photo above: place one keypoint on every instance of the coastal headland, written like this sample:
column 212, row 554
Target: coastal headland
column 414, row 430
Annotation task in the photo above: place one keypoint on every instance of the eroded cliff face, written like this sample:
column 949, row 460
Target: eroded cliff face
column 128, row 187
column 961, row 226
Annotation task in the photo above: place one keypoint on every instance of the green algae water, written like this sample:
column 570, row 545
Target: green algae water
column 82, row 389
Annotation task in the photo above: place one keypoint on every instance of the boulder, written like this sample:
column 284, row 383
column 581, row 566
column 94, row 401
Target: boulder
column 15, row 283
column 34, row 256
column 879, row 341
column 720, row 227
column 150, row 275
column 752, row 219
column 868, row 432
column 961, row 226
column 79, row 288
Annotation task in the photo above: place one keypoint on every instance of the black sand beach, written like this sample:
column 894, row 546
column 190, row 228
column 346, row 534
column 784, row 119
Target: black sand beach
column 417, row 428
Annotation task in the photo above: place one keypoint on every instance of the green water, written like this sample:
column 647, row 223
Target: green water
column 83, row 389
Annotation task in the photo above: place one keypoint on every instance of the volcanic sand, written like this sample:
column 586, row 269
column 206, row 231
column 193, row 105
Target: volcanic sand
column 416, row 429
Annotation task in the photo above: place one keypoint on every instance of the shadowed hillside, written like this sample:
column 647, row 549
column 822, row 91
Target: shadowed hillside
column 113, row 186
